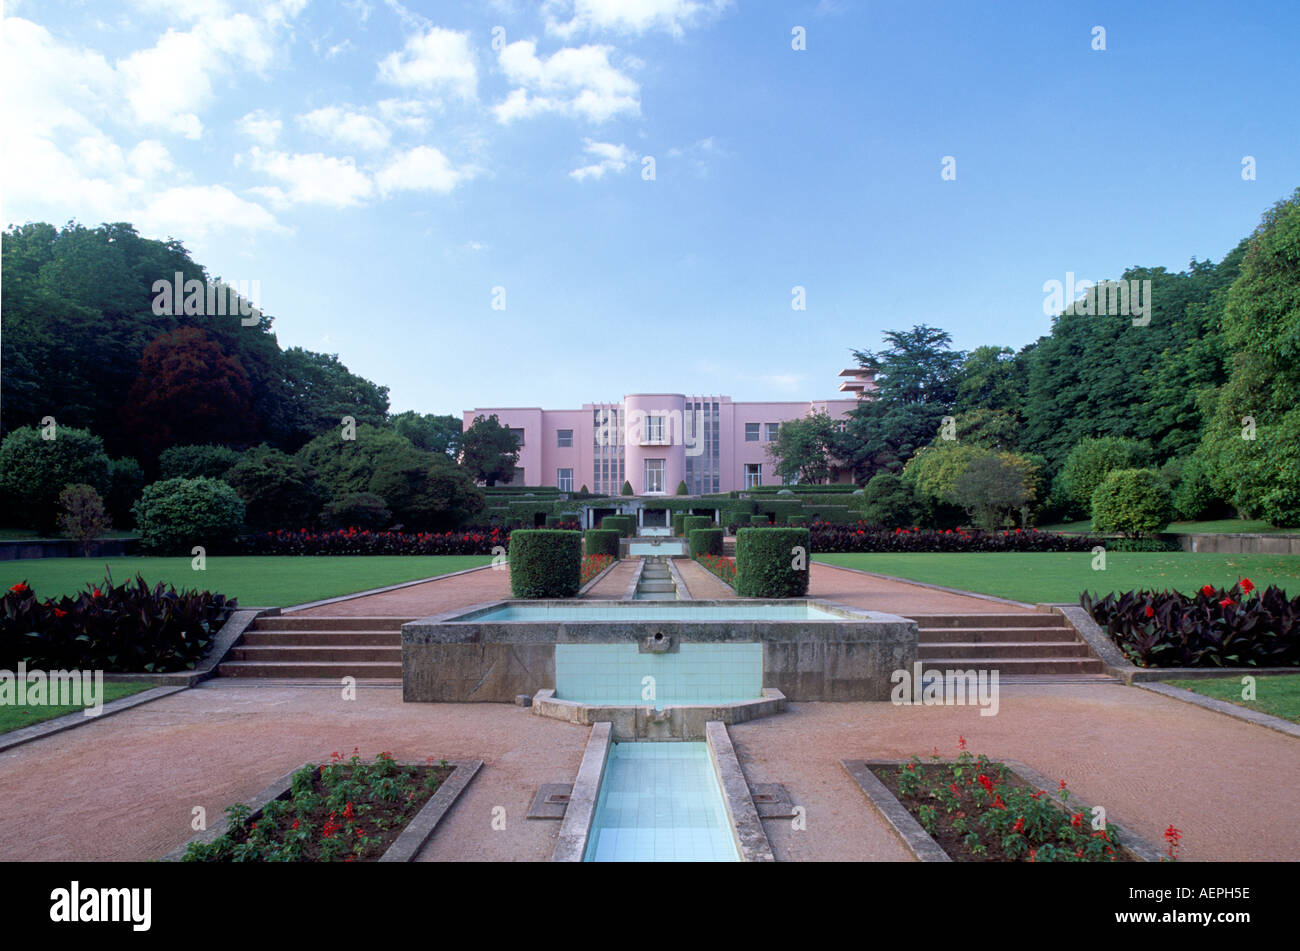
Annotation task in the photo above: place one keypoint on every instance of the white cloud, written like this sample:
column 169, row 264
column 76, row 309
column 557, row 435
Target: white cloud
column 47, row 86
column 609, row 158
column 349, row 128
column 314, row 178
column 404, row 113
column 629, row 16
column 422, row 168
column 260, row 126
column 194, row 211
column 150, row 159
column 574, row 80
column 699, row 155
column 434, row 59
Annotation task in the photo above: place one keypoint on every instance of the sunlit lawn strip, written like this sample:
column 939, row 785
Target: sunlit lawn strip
column 17, row 717
column 1276, row 695
column 1062, row 576
column 256, row 580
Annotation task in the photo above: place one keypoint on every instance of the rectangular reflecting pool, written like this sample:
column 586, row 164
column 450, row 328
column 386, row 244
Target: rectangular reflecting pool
column 653, row 611
column 660, row 802
column 617, row 674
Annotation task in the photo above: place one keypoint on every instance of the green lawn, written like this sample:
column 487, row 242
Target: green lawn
column 14, row 718
column 1217, row 527
column 1063, row 576
column 257, row 581
column 1277, row 695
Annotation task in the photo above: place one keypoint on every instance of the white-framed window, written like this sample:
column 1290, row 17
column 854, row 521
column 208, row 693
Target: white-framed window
column 564, row 439
column 654, row 429
column 771, row 432
column 564, row 480
column 751, row 432
column 654, row 475
column 753, row 474
column 519, row 436
column 518, row 478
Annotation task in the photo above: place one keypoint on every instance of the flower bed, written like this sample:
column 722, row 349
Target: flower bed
column 128, row 627
column 352, row 541
column 720, row 565
column 1234, row 627
column 346, row 811
column 979, row 811
column 593, row 565
column 865, row 538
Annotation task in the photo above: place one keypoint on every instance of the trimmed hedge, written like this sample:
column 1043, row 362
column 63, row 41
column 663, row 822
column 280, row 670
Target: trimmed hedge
column 677, row 522
column 602, row 541
column 768, row 564
column 796, row 520
column 545, row 563
column 706, row 541
column 691, row 522
column 759, row 520
column 625, row 525
column 780, row 507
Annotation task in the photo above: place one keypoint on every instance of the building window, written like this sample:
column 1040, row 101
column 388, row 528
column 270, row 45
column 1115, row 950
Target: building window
column 564, row 480
column 654, row 429
column 772, row 430
column 519, row 436
column 564, row 439
column 654, row 475
column 751, row 432
column 753, row 474
column 518, row 477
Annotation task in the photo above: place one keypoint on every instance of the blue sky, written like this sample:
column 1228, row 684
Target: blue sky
column 380, row 168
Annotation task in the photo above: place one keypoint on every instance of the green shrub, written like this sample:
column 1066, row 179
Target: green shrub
column 279, row 490
column 627, row 489
column 195, row 462
column 429, row 494
column 796, row 519
column 760, row 520
column 1194, row 494
column 82, row 516
column 889, row 501
column 545, row 563
column 602, row 541
column 1132, row 501
column 706, row 541
column 681, row 488
column 692, row 522
column 779, row 507
column 33, row 471
column 625, row 525
column 772, row 563
column 677, row 522
column 363, row 510
column 1088, row 464
column 175, row 514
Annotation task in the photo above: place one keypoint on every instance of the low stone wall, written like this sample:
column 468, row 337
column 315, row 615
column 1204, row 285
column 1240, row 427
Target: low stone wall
column 15, row 549
column 1241, row 544
column 457, row 658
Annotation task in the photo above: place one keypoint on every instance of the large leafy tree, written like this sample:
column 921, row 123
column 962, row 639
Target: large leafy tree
column 489, row 450
column 803, row 449
column 321, row 391
column 430, row 432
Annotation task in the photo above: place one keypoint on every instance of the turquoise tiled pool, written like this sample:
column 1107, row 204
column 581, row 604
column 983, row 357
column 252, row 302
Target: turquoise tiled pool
column 660, row 802
column 652, row 611
column 620, row 675
column 669, row 546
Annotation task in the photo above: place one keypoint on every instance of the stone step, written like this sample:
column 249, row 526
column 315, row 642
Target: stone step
column 1015, row 666
column 943, row 635
column 323, row 638
column 1021, row 650
column 655, row 596
column 317, row 670
column 317, row 652
column 1028, row 619
column 659, row 586
column 291, row 622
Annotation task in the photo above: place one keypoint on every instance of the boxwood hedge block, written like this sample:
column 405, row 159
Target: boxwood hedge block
column 545, row 563
column 677, row 522
column 779, row 507
column 625, row 525
column 602, row 541
column 796, row 519
column 692, row 522
column 706, row 541
column 772, row 563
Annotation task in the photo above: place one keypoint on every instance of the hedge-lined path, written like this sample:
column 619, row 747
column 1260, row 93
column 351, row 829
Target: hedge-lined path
column 613, row 587
column 124, row 788
column 702, row 584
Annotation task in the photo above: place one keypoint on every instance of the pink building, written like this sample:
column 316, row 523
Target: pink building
column 656, row 440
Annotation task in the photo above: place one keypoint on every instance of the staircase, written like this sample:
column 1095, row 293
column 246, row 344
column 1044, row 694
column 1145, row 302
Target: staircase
column 1012, row 644
column 297, row 648
column 656, row 582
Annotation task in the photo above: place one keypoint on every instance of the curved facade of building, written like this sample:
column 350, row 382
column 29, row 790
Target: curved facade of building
column 657, row 440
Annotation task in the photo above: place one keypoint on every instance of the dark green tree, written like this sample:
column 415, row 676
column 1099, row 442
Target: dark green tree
column 489, row 450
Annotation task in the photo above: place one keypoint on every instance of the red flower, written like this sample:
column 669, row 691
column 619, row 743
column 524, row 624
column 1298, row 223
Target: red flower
column 985, row 782
column 1226, row 603
column 1020, row 825
column 1208, row 591
column 1247, row 586
column 998, row 803
column 961, row 742
column 1149, row 612
column 295, row 824
column 59, row 612
column 96, row 594
column 20, row 588
column 1062, row 785
column 1076, row 820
